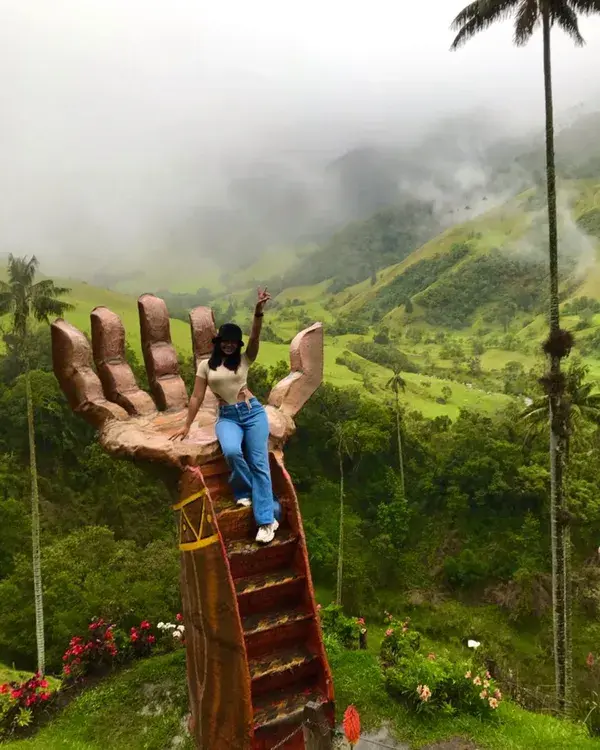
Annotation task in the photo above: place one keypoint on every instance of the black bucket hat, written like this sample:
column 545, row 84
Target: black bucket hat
column 229, row 332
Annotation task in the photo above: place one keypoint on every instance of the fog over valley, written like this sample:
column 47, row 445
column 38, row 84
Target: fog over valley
column 189, row 130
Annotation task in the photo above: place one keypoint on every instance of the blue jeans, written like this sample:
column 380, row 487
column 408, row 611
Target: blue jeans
column 244, row 437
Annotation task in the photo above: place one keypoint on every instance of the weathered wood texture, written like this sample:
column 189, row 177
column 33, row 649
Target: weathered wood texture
column 255, row 651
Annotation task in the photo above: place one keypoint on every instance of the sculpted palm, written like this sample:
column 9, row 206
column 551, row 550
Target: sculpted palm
column 133, row 424
column 528, row 16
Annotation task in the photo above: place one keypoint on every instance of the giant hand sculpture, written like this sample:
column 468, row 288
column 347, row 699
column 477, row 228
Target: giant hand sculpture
column 129, row 421
column 255, row 653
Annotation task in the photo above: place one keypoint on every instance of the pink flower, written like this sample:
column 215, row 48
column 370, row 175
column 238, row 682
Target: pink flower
column 361, row 621
column 483, row 694
column 590, row 660
column 497, row 695
column 493, row 703
column 488, row 676
column 477, row 680
column 404, row 629
column 468, row 675
column 431, row 657
column 388, row 632
column 486, row 683
column 319, row 607
column 424, row 693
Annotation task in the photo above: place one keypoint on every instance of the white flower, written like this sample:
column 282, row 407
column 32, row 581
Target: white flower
column 170, row 626
column 160, row 625
column 473, row 644
column 181, row 628
column 177, row 634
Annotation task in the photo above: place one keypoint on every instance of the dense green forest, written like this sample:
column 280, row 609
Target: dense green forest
column 472, row 528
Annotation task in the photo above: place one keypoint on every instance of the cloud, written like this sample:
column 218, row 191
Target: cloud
column 121, row 120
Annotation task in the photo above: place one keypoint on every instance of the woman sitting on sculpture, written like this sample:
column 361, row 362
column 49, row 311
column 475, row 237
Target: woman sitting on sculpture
column 242, row 427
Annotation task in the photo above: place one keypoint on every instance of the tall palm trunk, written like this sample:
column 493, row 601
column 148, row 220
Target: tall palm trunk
column 35, row 532
column 560, row 536
column 400, row 458
column 338, row 595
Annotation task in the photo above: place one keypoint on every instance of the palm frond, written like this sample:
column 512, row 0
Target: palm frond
column 6, row 298
column 528, row 17
column 45, row 307
column 479, row 16
column 566, row 18
column 22, row 271
column 585, row 7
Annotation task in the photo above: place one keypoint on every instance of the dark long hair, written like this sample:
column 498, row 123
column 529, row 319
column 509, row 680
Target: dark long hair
column 217, row 358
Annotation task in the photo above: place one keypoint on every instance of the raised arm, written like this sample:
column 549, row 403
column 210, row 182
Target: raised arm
column 254, row 340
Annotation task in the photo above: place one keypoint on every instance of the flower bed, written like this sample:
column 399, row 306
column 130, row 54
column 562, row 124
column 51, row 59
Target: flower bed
column 88, row 657
column 430, row 682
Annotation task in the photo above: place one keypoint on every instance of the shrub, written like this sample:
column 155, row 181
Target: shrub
column 346, row 630
column 141, row 639
column 18, row 701
column 433, row 682
column 98, row 652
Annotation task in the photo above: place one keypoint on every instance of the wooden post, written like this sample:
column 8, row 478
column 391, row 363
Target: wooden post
column 362, row 640
column 317, row 732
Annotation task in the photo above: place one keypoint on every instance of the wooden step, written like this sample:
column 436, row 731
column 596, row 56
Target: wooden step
column 262, row 621
column 285, row 707
column 276, row 630
column 280, row 589
column 282, row 669
column 250, row 558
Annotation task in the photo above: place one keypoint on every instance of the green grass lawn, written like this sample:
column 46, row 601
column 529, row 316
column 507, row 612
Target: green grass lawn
column 144, row 708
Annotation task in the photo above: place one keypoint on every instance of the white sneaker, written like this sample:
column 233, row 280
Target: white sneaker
column 244, row 502
column 266, row 533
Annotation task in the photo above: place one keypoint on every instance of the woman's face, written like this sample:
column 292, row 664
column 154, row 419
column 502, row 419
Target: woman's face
column 229, row 347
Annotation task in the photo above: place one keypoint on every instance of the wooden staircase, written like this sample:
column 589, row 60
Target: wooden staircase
column 286, row 661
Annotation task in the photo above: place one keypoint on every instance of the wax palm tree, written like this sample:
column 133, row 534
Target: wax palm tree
column 26, row 301
column 528, row 15
column 397, row 383
column 582, row 405
column 345, row 442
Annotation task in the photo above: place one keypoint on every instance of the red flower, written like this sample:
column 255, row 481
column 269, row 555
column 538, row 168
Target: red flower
column 45, row 696
column 361, row 621
column 67, row 670
column 145, row 625
column 590, row 660
column 179, row 617
column 151, row 639
column 16, row 694
column 134, row 636
column 43, row 683
column 4, row 688
column 352, row 725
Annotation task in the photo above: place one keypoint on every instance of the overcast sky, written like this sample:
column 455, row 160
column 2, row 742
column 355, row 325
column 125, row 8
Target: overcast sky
column 115, row 112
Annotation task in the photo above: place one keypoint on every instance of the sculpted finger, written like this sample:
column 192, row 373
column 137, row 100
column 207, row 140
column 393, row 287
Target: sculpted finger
column 159, row 354
column 306, row 361
column 72, row 363
column 116, row 376
column 202, row 322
